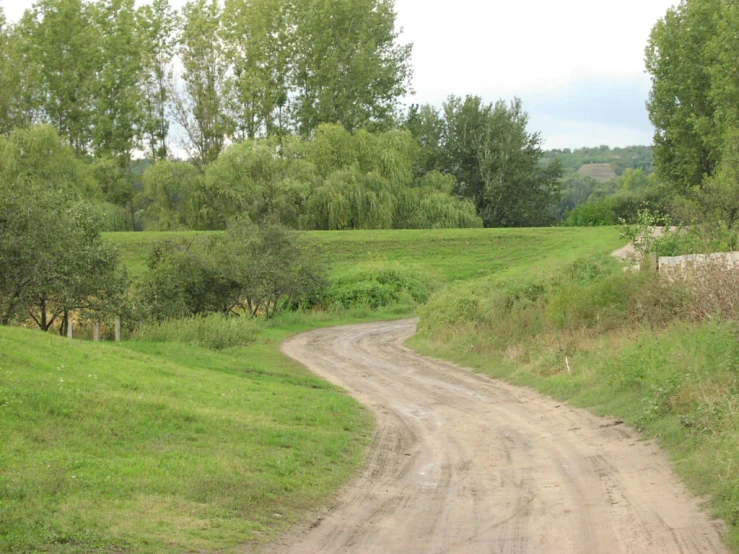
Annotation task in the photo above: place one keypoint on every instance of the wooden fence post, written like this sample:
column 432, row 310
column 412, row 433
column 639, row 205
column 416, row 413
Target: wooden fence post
column 654, row 261
column 70, row 329
column 96, row 331
column 117, row 329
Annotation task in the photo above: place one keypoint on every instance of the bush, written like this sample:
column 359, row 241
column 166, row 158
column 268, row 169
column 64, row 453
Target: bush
column 591, row 214
column 216, row 331
column 376, row 288
column 593, row 295
column 258, row 270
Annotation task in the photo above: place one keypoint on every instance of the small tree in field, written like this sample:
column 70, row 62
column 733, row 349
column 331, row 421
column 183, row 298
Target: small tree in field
column 273, row 266
column 253, row 269
column 52, row 256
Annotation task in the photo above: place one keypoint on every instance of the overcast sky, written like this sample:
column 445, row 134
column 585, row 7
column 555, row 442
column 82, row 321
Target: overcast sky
column 578, row 65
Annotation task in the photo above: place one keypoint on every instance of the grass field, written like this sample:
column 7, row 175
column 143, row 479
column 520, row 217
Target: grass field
column 442, row 256
column 164, row 447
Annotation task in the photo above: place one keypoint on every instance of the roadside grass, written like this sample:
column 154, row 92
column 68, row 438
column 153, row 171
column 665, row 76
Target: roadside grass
column 168, row 446
column 663, row 357
column 441, row 256
column 163, row 447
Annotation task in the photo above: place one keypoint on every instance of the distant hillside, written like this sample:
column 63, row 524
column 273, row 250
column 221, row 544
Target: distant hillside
column 599, row 172
column 619, row 160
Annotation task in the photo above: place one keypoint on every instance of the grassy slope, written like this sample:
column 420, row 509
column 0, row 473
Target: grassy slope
column 163, row 447
column 442, row 256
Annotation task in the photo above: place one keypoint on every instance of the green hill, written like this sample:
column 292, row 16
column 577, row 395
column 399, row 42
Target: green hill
column 160, row 447
column 620, row 159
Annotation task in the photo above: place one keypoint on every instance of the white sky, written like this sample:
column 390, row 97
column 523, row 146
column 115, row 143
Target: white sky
column 578, row 65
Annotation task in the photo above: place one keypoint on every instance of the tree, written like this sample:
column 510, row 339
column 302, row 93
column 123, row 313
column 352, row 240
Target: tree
column 273, row 265
column 496, row 162
column 169, row 187
column 184, row 279
column 157, row 26
column 427, row 127
column 719, row 196
column 681, row 106
column 202, row 107
column 59, row 40
column 117, row 116
column 251, row 178
column 52, row 257
column 349, row 67
column 517, row 192
column 6, row 77
column 37, row 158
column 259, row 45
column 20, row 82
column 252, row 269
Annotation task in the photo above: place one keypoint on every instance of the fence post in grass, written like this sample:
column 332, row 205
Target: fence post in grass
column 96, row 331
column 654, row 261
column 70, row 328
column 117, row 329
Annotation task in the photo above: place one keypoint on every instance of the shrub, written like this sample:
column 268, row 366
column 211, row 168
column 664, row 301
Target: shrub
column 376, row 288
column 591, row 214
column 216, row 331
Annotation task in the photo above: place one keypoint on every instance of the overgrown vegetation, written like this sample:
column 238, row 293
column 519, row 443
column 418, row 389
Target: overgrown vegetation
column 659, row 353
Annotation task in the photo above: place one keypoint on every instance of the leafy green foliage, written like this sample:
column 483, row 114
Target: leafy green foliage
column 680, row 104
column 493, row 158
column 169, row 191
column 349, row 68
column 52, row 255
column 252, row 270
column 376, row 288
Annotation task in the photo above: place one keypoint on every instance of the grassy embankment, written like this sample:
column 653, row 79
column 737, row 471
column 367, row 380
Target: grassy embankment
column 156, row 447
column 662, row 357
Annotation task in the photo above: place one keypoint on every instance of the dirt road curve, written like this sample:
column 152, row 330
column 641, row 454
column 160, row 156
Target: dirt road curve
column 464, row 464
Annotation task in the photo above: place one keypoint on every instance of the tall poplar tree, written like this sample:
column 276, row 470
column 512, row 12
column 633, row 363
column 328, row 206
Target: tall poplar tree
column 681, row 108
column 349, row 67
column 158, row 24
column 201, row 107
column 259, row 43
column 117, row 117
column 57, row 37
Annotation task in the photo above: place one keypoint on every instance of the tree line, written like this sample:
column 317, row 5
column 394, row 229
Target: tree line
column 103, row 71
column 259, row 94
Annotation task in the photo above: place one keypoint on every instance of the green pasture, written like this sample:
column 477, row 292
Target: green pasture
column 164, row 447
column 441, row 255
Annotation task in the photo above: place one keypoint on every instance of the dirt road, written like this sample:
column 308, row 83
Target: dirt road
column 465, row 464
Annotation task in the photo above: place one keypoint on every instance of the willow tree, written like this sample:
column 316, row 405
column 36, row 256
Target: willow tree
column 430, row 204
column 251, row 178
column 350, row 199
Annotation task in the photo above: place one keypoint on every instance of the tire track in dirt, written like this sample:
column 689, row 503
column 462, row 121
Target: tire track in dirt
column 464, row 464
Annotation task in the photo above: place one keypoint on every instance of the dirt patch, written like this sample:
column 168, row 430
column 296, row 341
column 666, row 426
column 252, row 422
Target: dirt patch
column 462, row 463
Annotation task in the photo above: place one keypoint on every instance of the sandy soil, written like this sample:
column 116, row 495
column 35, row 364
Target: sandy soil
column 464, row 464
